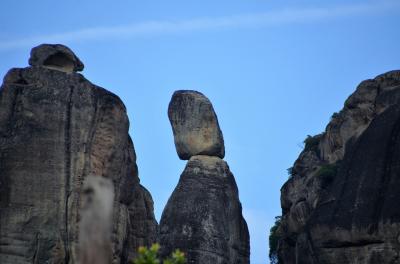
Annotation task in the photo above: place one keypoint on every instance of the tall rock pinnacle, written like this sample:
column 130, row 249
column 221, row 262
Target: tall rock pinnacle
column 57, row 129
column 203, row 217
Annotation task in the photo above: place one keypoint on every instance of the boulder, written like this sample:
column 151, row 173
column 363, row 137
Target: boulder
column 203, row 217
column 55, row 56
column 195, row 125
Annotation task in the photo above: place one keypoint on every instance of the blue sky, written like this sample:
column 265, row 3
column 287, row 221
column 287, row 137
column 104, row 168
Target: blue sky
column 274, row 70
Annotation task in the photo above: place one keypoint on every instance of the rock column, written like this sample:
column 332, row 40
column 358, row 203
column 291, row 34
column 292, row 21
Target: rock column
column 56, row 129
column 203, row 217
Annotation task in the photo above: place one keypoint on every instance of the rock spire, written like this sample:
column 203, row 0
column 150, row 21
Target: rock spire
column 203, row 216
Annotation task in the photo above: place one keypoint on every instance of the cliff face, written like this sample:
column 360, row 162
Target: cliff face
column 340, row 205
column 56, row 129
column 203, row 217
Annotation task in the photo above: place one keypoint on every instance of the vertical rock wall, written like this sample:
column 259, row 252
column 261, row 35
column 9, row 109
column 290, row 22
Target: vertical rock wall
column 56, row 128
column 340, row 204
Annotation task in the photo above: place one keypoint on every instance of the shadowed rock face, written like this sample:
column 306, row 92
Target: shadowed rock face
column 351, row 215
column 195, row 125
column 203, row 216
column 55, row 130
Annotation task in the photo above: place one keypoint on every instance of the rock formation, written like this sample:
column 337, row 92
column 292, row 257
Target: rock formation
column 203, row 217
column 340, row 205
column 195, row 125
column 56, row 129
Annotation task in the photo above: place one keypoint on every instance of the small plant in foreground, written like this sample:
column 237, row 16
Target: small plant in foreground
column 150, row 256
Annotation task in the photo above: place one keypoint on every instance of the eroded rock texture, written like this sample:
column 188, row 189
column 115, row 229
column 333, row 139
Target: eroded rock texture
column 55, row 56
column 203, row 217
column 341, row 204
column 56, row 128
column 195, row 125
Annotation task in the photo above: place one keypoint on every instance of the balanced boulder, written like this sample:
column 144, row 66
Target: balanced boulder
column 55, row 56
column 203, row 217
column 195, row 125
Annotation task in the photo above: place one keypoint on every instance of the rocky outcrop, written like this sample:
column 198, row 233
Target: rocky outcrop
column 203, row 217
column 56, row 129
column 195, row 125
column 55, row 56
column 340, row 204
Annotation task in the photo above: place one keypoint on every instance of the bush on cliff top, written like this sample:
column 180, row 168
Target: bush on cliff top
column 311, row 143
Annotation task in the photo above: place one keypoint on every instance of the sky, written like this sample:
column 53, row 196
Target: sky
column 275, row 72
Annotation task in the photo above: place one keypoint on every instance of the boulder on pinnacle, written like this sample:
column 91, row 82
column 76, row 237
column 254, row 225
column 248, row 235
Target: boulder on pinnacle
column 56, row 57
column 195, row 125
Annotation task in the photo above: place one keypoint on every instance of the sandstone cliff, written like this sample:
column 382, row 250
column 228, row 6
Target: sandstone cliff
column 340, row 204
column 56, row 129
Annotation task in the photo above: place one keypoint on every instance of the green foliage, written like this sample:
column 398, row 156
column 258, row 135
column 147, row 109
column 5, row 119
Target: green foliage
column 327, row 172
column 290, row 172
column 274, row 237
column 150, row 256
column 311, row 143
column 334, row 115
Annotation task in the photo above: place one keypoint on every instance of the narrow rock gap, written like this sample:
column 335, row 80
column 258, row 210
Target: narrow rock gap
column 67, row 142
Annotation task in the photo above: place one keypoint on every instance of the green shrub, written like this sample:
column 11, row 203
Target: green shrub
column 327, row 172
column 311, row 143
column 334, row 115
column 290, row 172
column 274, row 237
column 150, row 256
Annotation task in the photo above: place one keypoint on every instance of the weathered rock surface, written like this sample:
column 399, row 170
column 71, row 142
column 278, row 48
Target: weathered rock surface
column 57, row 128
column 203, row 216
column 195, row 125
column 340, row 205
column 55, row 56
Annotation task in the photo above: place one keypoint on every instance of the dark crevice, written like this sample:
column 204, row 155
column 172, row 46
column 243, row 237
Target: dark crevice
column 67, row 142
column 311, row 246
column 35, row 255
column 378, row 92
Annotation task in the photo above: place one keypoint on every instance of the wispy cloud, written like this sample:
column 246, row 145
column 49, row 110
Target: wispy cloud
column 157, row 28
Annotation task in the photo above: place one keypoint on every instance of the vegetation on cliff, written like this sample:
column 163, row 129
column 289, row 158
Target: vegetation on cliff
column 274, row 237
